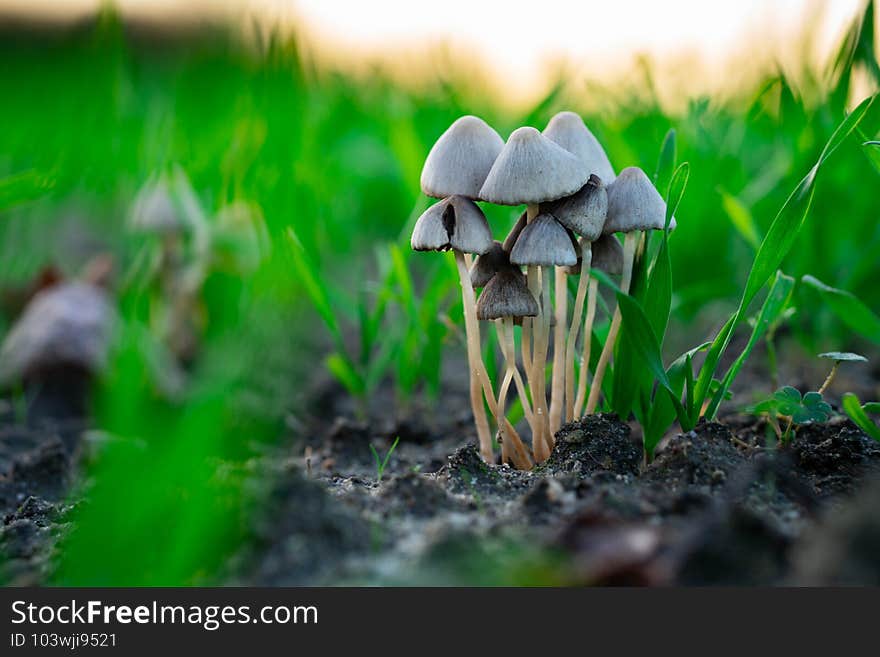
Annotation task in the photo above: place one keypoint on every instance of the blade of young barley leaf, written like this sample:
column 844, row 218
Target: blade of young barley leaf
column 853, row 408
column 644, row 342
column 848, row 308
column 774, row 305
column 788, row 222
column 775, row 246
column 343, row 371
column 666, row 161
column 741, row 218
column 871, row 149
column 24, row 187
column 658, row 300
column 307, row 273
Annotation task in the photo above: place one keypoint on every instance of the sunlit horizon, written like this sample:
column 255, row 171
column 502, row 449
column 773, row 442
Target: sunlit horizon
column 696, row 46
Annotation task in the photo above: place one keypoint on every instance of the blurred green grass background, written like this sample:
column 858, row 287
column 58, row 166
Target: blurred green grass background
column 92, row 112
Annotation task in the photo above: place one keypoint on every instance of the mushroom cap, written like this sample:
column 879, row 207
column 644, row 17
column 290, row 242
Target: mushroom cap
column 584, row 211
column 544, row 242
column 155, row 211
column 532, row 169
column 569, row 131
column 507, row 295
column 456, row 223
column 460, row 159
column 489, row 264
column 608, row 255
column 634, row 203
column 68, row 324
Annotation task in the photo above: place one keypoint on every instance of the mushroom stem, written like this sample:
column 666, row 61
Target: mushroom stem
column 534, row 287
column 830, row 378
column 510, row 355
column 475, row 359
column 544, row 442
column 557, row 389
column 592, row 294
column 629, row 249
column 574, row 330
column 512, row 447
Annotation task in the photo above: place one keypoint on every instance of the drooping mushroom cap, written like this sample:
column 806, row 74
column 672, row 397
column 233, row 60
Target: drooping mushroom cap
column 569, row 131
column 583, row 212
column 453, row 223
column 634, row 203
column 68, row 324
column 506, row 295
column 489, row 264
column 544, row 242
column 460, row 160
column 532, row 169
column 608, row 255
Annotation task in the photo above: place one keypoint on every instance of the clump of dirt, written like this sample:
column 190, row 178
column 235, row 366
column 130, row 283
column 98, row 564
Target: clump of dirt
column 834, row 456
column 32, row 464
column 466, row 473
column 27, row 540
column 842, row 548
column 302, row 533
column 413, row 494
column 705, row 457
column 597, row 443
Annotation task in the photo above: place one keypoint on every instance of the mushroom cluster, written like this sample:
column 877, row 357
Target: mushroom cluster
column 575, row 204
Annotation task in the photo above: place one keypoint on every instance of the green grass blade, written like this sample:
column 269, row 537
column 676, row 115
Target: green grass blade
column 871, row 150
column 340, row 367
column 790, row 219
column 776, row 244
column 848, row 308
column 666, row 161
column 774, row 305
column 741, row 219
column 24, row 187
column 853, row 408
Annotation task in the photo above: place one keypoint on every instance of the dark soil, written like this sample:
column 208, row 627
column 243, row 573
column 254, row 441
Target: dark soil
column 716, row 506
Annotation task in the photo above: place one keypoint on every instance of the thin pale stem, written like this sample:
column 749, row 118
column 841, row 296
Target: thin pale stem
column 541, row 440
column 629, row 248
column 557, row 387
column 592, row 298
column 475, row 360
column 508, row 349
column 574, row 330
column 512, row 448
column 830, row 378
column 528, row 323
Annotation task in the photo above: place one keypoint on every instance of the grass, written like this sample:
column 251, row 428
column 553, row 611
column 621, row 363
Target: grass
column 330, row 165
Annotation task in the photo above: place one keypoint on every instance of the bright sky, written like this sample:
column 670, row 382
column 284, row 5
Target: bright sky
column 517, row 38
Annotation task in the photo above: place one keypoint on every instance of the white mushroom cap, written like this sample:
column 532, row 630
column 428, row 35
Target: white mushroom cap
column 65, row 325
column 607, row 255
column 634, row 203
column 453, row 223
column 506, row 295
column 569, row 131
column 460, row 160
column 583, row 212
column 155, row 211
column 544, row 242
column 532, row 169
